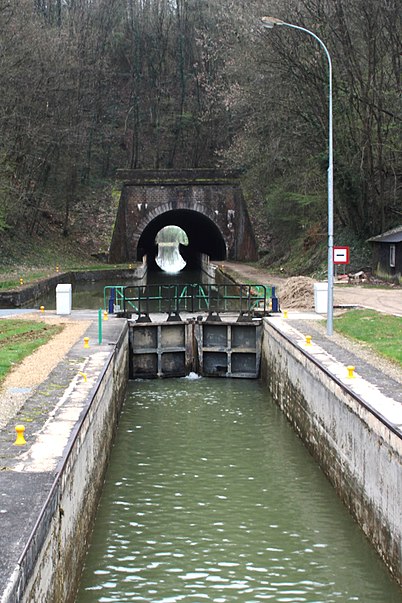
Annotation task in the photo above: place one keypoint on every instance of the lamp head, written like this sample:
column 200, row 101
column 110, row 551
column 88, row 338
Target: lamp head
column 270, row 22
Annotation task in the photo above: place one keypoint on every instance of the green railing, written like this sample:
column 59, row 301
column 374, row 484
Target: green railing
column 175, row 298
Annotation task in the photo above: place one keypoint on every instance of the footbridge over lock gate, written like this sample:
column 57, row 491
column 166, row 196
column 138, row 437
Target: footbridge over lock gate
column 207, row 204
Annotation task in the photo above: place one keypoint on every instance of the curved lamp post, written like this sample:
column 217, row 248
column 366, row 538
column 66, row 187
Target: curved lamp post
column 269, row 23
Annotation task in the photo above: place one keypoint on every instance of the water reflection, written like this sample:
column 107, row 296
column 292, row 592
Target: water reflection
column 211, row 496
column 90, row 294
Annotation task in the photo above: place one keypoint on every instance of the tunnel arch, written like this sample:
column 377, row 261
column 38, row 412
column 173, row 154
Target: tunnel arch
column 207, row 203
column 204, row 236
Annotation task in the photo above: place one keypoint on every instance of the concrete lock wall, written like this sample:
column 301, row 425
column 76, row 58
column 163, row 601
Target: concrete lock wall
column 51, row 565
column 360, row 455
column 29, row 294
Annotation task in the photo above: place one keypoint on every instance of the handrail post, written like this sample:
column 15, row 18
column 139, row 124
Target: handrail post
column 100, row 326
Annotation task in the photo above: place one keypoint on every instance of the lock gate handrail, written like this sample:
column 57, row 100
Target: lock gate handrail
column 191, row 297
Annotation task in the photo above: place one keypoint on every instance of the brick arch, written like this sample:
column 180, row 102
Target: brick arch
column 204, row 236
column 208, row 205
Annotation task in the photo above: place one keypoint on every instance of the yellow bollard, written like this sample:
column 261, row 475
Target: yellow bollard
column 105, row 315
column 20, row 440
column 308, row 339
column 42, row 308
column 351, row 371
column 86, row 342
column 285, row 314
column 83, row 375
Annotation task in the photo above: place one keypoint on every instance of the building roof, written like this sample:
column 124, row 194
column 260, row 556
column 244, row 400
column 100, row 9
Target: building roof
column 391, row 236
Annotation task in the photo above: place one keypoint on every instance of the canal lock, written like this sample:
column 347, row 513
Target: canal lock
column 210, row 348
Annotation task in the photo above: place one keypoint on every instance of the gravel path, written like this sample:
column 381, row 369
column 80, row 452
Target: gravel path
column 34, row 369
column 357, row 349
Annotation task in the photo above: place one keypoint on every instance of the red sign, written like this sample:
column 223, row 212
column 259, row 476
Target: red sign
column 341, row 255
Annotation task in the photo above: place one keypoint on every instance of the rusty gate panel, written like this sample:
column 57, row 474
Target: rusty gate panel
column 161, row 349
column 229, row 349
column 212, row 349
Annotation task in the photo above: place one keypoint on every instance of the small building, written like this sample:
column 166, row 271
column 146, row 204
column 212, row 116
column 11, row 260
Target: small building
column 387, row 252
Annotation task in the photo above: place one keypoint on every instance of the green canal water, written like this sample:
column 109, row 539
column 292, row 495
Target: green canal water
column 89, row 295
column 210, row 496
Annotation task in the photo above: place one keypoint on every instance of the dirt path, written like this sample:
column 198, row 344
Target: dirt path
column 387, row 300
column 20, row 383
column 258, row 275
column 384, row 300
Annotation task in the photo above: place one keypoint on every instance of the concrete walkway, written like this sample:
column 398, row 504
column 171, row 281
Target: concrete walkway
column 15, row 312
column 345, row 354
column 50, row 417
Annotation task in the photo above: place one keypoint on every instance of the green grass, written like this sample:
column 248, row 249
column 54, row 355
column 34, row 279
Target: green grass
column 28, row 278
column 10, row 284
column 19, row 338
column 381, row 332
column 88, row 267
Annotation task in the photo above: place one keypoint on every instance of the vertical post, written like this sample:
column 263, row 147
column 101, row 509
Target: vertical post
column 112, row 300
column 330, row 308
column 100, row 326
column 274, row 299
column 269, row 23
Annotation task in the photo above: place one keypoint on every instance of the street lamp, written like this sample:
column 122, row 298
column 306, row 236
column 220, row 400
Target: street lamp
column 269, row 23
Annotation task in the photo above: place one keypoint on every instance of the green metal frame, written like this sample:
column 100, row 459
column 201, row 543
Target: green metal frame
column 193, row 297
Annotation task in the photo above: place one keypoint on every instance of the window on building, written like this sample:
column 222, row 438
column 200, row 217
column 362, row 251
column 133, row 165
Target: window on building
column 392, row 256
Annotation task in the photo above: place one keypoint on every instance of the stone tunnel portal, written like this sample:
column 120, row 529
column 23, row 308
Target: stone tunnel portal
column 207, row 204
column 204, row 237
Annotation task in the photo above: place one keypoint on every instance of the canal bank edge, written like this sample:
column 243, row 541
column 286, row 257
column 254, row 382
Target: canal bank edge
column 351, row 429
column 50, row 560
column 27, row 295
column 358, row 452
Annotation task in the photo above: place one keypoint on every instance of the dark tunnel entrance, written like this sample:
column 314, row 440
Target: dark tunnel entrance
column 204, row 237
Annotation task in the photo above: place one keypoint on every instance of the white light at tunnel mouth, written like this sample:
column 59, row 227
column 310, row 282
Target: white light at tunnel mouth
column 168, row 240
column 169, row 258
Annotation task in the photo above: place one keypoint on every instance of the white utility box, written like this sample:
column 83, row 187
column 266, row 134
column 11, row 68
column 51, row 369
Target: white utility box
column 321, row 298
column 63, row 299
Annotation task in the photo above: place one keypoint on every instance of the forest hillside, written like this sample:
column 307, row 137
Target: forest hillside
column 90, row 86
